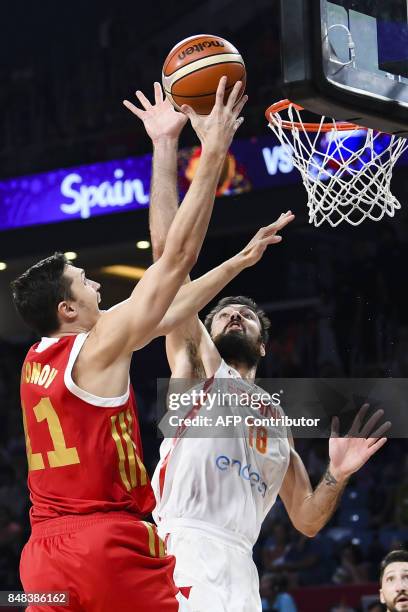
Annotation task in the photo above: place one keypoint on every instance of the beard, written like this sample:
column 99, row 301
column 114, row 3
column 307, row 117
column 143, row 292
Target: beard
column 235, row 347
column 392, row 606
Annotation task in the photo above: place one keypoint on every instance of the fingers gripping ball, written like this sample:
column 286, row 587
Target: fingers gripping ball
column 193, row 69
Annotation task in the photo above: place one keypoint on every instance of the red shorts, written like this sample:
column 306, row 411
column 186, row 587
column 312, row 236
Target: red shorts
column 107, row 562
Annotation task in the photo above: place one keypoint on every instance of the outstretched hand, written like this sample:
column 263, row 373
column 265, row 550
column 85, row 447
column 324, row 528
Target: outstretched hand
column 254, row 250
column 349, row 454
column 161, row 120
column 217, row 129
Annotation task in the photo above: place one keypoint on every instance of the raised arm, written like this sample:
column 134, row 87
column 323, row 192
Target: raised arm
column 190, row 351
column 163, row 124
column 134, row 323
column 310, row 510
column 194, row 295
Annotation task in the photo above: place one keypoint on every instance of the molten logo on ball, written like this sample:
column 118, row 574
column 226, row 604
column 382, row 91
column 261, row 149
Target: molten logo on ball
column 200, row 47
column 193, row 69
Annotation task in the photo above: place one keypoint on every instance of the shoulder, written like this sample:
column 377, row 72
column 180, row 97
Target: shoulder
column 226, row 371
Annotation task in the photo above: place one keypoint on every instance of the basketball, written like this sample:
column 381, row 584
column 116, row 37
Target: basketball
column 193, row 68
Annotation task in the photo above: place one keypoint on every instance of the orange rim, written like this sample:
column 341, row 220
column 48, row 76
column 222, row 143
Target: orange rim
column 276, row 108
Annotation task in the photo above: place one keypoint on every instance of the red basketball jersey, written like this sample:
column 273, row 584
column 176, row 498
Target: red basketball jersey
column 84, row 452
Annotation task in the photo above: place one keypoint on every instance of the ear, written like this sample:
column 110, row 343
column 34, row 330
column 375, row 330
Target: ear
column 382, row 597
column 66, row 311
column 263, row 350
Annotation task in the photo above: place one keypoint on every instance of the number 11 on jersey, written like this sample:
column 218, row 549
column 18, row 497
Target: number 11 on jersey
column 60, row 456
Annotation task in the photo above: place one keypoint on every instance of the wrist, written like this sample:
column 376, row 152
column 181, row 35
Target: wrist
column 165, row 155
column 215, row 153
column 338, row 475
column 165, row 142
column 235, row 264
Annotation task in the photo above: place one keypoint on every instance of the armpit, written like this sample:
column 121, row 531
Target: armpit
column 194, row 358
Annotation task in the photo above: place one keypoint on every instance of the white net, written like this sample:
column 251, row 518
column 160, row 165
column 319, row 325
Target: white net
column 347, row 173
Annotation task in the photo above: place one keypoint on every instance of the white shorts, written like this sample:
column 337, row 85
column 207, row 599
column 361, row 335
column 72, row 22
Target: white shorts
column 217, row 565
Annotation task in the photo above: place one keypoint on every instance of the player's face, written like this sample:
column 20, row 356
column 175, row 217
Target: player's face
column 236, row 331
column 86, row 296
column 394, row 587
column 236, row 318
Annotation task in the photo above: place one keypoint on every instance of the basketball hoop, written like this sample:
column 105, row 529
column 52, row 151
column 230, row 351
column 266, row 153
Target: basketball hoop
column 346, row 169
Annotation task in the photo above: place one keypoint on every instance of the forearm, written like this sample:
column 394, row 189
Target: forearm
column 309, row 510
column 190, row 224
column 163, row 192
column 195, row 295
column 318, row 507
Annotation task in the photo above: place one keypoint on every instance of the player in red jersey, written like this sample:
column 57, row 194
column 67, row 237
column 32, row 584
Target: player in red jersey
column 88, row 486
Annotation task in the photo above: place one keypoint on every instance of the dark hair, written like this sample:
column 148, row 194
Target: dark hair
column 394, row 556
column 240, row 299
column 39, row 290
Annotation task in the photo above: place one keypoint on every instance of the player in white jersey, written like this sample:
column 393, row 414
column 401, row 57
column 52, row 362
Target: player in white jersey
column 213, row 493
column 249, row 466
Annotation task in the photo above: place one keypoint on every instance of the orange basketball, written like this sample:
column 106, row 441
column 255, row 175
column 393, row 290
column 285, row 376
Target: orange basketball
column 193, row 68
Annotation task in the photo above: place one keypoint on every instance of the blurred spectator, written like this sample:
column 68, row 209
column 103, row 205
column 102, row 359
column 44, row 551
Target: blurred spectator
column 9, row 562
column 393, row 580
column 352, row 568
column 381, row 504
column 401, row 500
column 10, row 530
column 276, row 547
column 274, row 595
column 305, row 561
column 375, row 606
column 12, row 491
column 375, row 554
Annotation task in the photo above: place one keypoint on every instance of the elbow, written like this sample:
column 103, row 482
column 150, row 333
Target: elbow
column 157, row 251
column 183, row 260
column 158, row 243
column 187, row 262
column 310, row 531
column 182, row 250
column 188, row 256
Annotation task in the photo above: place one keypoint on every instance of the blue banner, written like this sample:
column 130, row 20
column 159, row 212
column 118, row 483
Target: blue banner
column 75, row 193
column 123, row 185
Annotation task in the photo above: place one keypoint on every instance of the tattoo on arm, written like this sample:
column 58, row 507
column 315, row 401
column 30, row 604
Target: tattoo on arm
column 194, row 357
column 329, row 479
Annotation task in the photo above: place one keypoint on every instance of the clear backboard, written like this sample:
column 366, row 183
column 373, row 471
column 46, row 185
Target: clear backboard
column 348, row 59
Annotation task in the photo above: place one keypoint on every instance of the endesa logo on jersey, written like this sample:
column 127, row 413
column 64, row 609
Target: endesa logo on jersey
column 245, row 472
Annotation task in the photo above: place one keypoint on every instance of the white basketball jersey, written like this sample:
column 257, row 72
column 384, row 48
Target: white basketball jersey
column 231, row 483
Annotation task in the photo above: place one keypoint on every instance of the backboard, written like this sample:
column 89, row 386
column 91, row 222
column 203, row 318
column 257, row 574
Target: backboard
column 348, row 59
